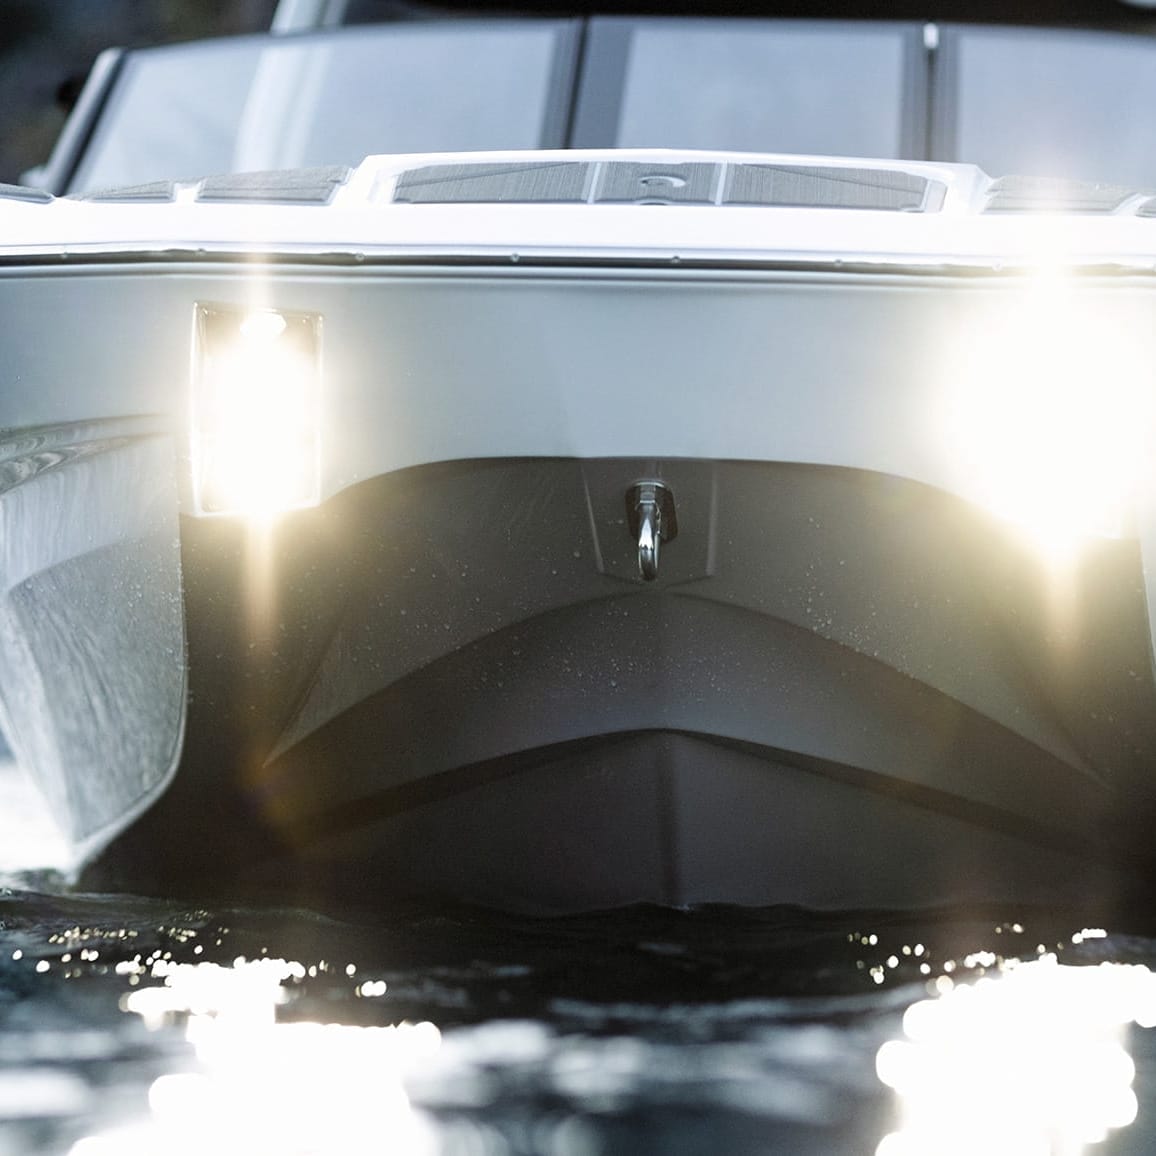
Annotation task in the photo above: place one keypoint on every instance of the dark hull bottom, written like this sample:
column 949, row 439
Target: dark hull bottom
column 842, row 691
column 676, row 819
column 654, row 817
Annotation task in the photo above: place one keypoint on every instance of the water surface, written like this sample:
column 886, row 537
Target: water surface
column 132, row 1025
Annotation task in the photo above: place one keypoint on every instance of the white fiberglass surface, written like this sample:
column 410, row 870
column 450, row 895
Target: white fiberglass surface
column 1032, row 396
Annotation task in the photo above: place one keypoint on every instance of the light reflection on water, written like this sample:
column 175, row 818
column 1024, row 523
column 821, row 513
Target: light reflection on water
column 264, row 1086
column 1032, row 1061
column 134, row 1027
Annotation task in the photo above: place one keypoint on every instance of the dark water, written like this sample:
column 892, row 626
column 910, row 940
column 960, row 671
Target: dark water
column 137, row 1026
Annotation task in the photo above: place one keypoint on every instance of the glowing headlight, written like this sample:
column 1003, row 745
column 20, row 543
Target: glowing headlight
column 1050, row 411
column 255, row 437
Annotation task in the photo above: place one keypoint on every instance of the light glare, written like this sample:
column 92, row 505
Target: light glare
column 263, row 325
column 1049, row 411
column 1034, row 1060
column 255, row 404
column 297, row 1089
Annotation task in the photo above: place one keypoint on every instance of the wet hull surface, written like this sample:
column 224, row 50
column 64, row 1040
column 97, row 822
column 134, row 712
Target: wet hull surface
column 841, row 690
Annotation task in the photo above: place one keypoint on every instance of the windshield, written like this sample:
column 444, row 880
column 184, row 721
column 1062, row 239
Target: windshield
column 1051, row 102
column 1063, row 103
column 262, row 103
column 838, row 89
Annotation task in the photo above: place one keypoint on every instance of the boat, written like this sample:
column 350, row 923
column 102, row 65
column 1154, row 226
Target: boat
column 534, row 518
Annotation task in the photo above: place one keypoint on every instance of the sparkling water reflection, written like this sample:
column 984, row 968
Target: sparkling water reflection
column 1033, row 1061
column 134, row 1026
column 281, row 1087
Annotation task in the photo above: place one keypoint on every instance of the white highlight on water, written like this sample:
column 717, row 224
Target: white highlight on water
column 259, row 1085
column 1030, row 1062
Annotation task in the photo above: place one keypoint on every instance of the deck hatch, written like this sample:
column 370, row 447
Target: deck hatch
column 688, row 184
column 25, row 193
column 826, row 187
column 162, row 191
column 298, row 186
column 559, row 183
column 660, row 183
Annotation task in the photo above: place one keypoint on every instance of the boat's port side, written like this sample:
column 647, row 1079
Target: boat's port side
column 92, row 660
column 840, row 688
